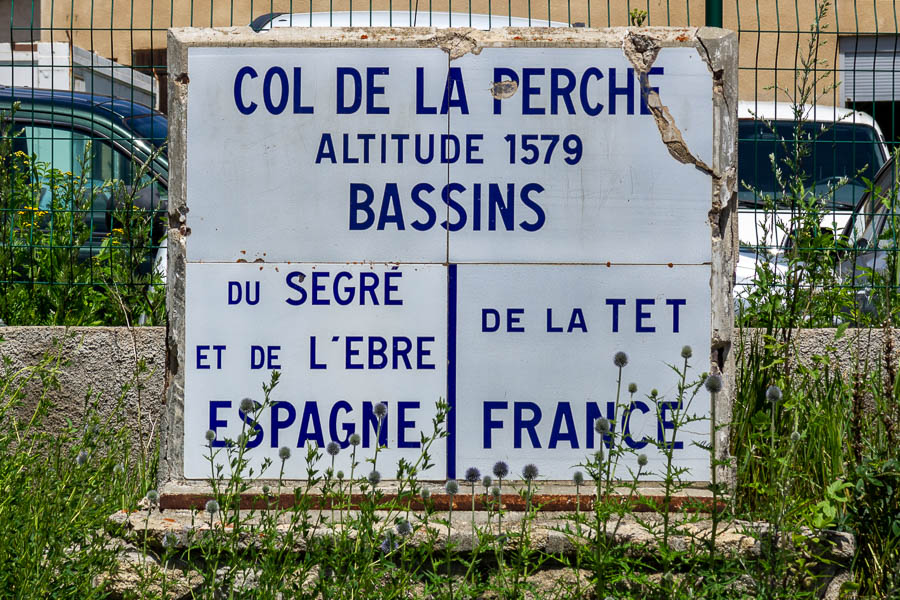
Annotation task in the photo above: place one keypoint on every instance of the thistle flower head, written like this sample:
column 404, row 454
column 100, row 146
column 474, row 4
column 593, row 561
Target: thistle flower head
column 425, row 493
column 266, row 490
column 374, row 478
column 773, row 394
column 284, row 453
column 795, row 436
column 686, row 352
column 578, row 478
column 212, row 507
column 486, row 481
column 473, row 475
column 632, row 388
column 355, row 439
column 152, row 497
column 210, row 435
column 501, row 469
column 451, row 487
column 248, row 405
column 602, row 425
column 620, row 359
column 642, row 460
column 529, row 472
column 495, row 492
column 333, row 448
column 169, row 540
column 340, row 474
column 81, row 458
column 713, row 383
column 404, row 528
column 388, row 544
column 380, row 410
column 654, row 393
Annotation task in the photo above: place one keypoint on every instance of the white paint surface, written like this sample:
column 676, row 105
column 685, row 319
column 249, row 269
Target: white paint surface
column 256, row 194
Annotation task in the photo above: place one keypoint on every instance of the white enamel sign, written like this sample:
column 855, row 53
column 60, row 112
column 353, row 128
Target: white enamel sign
column 389, row 225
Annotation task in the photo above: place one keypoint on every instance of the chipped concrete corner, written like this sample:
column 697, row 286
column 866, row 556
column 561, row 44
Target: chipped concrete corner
column 641, row 47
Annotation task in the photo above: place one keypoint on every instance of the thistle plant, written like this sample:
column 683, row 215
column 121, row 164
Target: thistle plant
column 500, row 470
column 473, row 476
column 452, row 488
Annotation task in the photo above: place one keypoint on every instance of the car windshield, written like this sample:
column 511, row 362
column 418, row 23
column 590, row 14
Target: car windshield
column 836, row 150
column 150, row 127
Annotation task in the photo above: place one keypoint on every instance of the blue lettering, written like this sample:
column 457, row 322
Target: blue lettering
column 245, row 109
column 298, row 107
column 293, row 280
column 372, row 90
column 255, row 434
column 310, row 417
column 326, row 149
column 403, row 424
column 558, row 91
column 626, row 429
column 499, row 74
column 489, row 423
column 563, row 414
column 371, row 420
column 641, row 315
column 342, row 107
column 675, row 303
column 528, row 91
column 364, row 206
column 275, row 108
column 215, row 422
column 646, row 89
column 627, row 91
column 615, row 303
column 597, row 108
column 520, row 423
column 454, row 82
column 421, row 109
column 348, row 428
column 278, row 423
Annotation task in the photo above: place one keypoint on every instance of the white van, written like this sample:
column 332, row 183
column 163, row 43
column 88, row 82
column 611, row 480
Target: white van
column 842, row 143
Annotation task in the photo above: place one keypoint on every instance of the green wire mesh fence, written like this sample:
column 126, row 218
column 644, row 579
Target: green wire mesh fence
column 84, row 176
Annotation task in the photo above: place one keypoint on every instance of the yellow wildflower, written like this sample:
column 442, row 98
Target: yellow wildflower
column 119, row 230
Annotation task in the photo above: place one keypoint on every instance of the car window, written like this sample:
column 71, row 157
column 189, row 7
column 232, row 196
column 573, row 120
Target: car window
column 96, row 160
column 66, row 150
column 150, row 127
column 837, row 150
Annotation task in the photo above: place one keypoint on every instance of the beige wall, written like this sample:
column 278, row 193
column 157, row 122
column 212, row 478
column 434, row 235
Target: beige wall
column 114, row 28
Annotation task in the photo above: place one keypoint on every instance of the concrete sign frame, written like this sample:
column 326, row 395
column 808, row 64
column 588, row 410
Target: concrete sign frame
column 200, row 248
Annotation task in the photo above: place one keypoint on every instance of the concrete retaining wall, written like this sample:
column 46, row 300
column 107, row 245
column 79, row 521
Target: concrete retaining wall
column 94, row 362
column 101, row 360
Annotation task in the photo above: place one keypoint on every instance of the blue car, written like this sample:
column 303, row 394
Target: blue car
column 98, row 139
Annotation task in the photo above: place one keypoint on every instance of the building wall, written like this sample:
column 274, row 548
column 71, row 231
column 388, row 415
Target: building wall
column 25, row 16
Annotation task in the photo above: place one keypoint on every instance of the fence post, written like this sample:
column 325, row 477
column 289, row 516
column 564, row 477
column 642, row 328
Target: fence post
column 714, row 13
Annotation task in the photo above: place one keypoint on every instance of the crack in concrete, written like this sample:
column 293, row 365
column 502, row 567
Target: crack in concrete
column 718, row 74
column 641, row 51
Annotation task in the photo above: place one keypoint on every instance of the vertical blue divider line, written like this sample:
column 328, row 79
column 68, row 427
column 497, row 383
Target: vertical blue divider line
column 451, row 371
